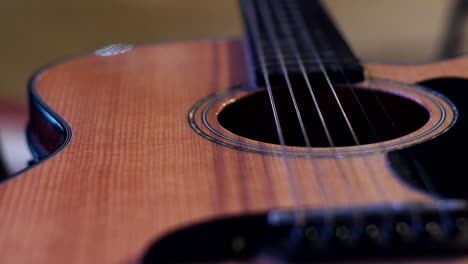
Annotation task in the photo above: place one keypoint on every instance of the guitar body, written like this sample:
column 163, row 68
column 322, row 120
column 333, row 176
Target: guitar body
column 135, row 169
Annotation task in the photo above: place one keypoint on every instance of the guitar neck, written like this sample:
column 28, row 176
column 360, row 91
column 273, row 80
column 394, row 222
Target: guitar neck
column 297, row 37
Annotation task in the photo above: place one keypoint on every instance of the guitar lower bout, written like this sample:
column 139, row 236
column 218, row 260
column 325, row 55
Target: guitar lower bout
column 136, row 170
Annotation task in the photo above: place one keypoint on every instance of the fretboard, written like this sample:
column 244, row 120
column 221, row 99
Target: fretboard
column 299, row 37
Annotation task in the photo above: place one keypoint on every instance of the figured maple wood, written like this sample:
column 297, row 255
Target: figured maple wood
column 136, row 170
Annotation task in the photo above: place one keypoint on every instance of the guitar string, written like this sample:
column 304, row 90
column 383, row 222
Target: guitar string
column 250, row 11
column 293, row 45
column 312, row 45
column 427, row 182
column 337, row 62
column 416, row 214
column 388, row 215
column 272, row 35
column 279, row 56
column 347, row 81
column 361, row 105
column 319, row 61
column 297, row 16
column 369, row 167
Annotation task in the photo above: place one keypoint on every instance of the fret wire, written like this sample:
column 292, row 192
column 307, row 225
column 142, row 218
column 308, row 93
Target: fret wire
column 310, row 62
column 329, row 58
column 313, row 62
column 326, row 59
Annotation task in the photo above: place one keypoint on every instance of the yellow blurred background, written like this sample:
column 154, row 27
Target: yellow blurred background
column 35, row 33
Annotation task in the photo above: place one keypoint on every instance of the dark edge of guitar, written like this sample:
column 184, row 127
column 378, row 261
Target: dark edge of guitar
column 41, row 114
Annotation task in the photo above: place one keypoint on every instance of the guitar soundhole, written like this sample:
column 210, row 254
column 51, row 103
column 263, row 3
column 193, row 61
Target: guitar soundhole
column 374, row 116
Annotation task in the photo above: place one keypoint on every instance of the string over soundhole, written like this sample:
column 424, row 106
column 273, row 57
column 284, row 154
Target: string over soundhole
column 375, row 117
column 384, row 115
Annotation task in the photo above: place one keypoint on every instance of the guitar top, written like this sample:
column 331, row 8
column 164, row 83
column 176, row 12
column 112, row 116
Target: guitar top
column 280, row 147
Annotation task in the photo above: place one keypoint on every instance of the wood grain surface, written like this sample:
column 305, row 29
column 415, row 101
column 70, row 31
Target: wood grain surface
column 136, row 170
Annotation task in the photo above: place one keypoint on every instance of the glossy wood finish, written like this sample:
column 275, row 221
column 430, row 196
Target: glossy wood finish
column 135, row 169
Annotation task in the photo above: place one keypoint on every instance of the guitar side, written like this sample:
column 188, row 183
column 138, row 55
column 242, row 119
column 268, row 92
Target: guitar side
column 136, row 170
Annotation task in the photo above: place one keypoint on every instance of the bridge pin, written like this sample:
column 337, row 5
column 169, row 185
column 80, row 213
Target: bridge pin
column 313, row 236
column 405, row 231
column 435, row 231
column 344, row 234
column 373, row 232
column 462, row 226
column 238, row 245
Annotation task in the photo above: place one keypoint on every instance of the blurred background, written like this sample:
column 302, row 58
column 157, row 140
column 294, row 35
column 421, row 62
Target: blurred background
column 34, row 33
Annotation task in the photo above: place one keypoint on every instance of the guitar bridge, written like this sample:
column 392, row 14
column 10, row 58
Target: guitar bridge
column 383, row 231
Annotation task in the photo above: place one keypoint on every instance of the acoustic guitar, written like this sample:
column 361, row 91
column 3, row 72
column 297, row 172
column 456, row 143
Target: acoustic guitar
column 282, row 147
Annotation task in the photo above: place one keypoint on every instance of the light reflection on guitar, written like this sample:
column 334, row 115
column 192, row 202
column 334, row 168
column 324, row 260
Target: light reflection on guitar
column 13, row 148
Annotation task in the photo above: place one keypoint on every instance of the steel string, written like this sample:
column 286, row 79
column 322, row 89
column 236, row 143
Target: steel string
column 250, row 11
column 362, row 110
column 415, row 216
column 280, row 57
column 294, row 47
